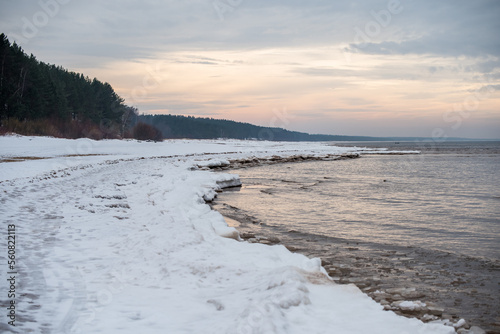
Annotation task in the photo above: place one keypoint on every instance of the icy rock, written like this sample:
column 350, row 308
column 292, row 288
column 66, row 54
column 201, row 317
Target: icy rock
column 225, row 231
column 429, row 317
column 213, row 163
column 209, row 197
column 230, row 183
column 407, row 293
column 409, row 306
column 435, row 310
column 460, row 323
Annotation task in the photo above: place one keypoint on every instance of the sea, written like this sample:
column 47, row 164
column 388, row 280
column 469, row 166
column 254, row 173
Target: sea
column 428, row 221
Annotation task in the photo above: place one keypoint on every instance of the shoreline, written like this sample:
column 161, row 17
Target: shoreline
column 409, row 302
column 275, row 159
column 149, row 253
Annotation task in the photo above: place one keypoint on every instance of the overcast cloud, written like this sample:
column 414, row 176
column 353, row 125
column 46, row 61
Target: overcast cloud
column 379, row 68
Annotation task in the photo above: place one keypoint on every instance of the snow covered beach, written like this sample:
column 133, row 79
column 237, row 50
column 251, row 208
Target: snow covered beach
column 116, row 237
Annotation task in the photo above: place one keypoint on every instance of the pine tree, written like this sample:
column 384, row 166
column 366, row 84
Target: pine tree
column 32, row 90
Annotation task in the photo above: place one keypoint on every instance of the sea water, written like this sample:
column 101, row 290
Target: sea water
column 439, row 211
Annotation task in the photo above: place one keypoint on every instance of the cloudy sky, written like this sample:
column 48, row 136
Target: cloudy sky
column 366, row 67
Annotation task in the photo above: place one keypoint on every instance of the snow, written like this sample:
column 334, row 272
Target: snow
column 460, row 323
column 409, row 305
column 214, row 163
column 116, row 237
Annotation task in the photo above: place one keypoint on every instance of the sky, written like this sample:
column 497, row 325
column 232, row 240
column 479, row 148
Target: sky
column 367, row 67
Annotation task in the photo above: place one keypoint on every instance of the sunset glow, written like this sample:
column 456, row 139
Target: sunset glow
column 368, row 68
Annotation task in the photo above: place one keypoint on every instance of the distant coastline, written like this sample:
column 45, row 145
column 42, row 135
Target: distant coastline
column 178, row 127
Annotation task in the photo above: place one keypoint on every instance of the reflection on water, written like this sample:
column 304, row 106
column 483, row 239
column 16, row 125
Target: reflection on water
column 443, row 203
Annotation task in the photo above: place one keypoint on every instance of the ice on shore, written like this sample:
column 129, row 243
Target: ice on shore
column 116, row 237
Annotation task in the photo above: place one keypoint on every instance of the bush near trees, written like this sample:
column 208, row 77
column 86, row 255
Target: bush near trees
column 143, row 131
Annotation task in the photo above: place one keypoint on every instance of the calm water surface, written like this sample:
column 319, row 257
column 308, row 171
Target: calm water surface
column 442, row 206
column 447, row 202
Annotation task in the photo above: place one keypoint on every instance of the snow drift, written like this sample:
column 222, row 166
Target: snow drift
column 116, row 237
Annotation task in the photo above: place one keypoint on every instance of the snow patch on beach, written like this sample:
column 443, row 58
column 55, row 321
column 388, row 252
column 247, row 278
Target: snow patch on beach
column 116, row 237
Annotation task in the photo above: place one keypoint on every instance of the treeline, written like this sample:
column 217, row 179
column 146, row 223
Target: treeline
column 173, row 126
column 42, row 99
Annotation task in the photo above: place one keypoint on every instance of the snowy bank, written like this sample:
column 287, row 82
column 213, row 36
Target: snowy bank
column 116, row 237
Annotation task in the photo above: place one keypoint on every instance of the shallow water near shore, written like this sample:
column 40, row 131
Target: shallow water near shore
column 429, row 221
